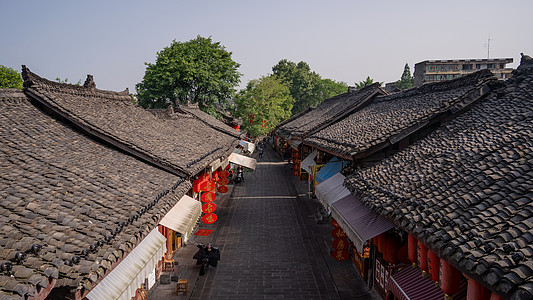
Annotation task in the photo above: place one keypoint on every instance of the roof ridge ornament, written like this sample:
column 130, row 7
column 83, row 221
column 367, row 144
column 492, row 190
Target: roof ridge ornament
column 89, row 82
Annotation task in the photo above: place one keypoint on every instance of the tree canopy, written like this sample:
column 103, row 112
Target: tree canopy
column 10, row 78
column 306, row 87
column 361, row 84
column 200, row 71
column 263, row 104
column 407, row 81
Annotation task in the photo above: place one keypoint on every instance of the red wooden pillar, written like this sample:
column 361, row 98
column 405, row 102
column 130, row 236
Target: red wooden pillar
column 450, row 278
column 476, row 291
column 411, row 249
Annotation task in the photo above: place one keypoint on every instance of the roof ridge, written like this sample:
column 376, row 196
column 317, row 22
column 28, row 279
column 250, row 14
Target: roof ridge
column 89, row 88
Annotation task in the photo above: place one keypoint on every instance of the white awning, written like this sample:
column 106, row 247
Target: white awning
column 247, row 146
column 124, row 280
column 309, row 161
column 359, row 222
column 183, row 216
column 242, row 160
column 331, row 190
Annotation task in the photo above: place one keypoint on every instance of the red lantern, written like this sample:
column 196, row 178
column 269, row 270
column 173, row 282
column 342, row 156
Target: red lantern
column 197, row 182
column 411, row 248
column 477, row 291
column 403, row 257
column 392, row 249
column 209, row 218
column 335, row 223
column 422, row 258
column 224, row 174
column 339, row 244
column 222, row 189
column 338, row 233
column 208, row 197
column 433, row 265
column 450, row 278
column 495, row 297
column 207, row 186
column 296, row 173
column 340, row 255
column 223, row 181
column 209, row 207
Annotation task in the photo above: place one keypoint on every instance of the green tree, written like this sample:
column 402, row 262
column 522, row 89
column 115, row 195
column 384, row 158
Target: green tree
column 66, row 81
column 407, row 81
column 368, row 81
column 263, row 104
column 307, row 87
column 200, row 71
column 10, row 78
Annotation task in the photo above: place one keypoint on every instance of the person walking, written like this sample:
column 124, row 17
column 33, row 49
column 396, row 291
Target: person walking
column 261, row 150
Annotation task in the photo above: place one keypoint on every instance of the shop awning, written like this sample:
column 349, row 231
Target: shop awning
column 183, row 216
column 331, row 168
column 295, row 144
column 358, row 221
column 247, row 146
column 242, row 160
column 309, row 161
column 331, row 190
column 408, row 284
column 124, row 280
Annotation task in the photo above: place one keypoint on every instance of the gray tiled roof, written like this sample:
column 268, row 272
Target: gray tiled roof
column 210, row 120
column 182, row 144
column 329, row 111
column 388, row 119
column 86, row 204
column 466, row 190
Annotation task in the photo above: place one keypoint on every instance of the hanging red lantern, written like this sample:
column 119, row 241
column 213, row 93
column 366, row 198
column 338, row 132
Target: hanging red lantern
column 335, row 223
column 411, row 248
column 222, row 189
column 207, row 186
column 433, row 265
column 477, row 291
column 197, row 182
column 224, row 174
column 421, row 254
column 338, row 233
column 340, row 255
column 208, row 197
column 449, row 277
column 339, row 244
column 209, row 207
column 209, row 218
column 223, row 181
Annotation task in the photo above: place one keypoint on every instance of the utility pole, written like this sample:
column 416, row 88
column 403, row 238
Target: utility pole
column 488, row 47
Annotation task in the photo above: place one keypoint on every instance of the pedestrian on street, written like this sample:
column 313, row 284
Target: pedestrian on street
column 261, row 149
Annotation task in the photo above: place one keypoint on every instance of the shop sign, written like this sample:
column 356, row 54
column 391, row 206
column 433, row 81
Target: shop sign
column 338, row 233
column 222, row 189
column 209, row 218
column 208, row 197
column 224, row 174
column 339, row 244
column 209, row 207
column 207, row 186
column 382, row 275
column 340, row 255
column 223, row 181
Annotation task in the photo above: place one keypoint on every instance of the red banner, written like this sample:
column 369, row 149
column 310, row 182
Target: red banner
column 208, row 197
column 223, row 181
column 338, row 233
column 207, row 186
column 203, row 232
column 224, row 174
column 222, row 189
column 340, row 255
column 209, row 218
column 209, row 207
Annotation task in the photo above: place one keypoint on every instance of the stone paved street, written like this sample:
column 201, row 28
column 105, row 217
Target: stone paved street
column 271, row 246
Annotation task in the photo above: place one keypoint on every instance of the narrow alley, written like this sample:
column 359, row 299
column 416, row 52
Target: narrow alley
column 271, row 246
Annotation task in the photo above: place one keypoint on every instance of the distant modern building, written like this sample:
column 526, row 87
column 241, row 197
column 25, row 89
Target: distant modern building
column 437, row 70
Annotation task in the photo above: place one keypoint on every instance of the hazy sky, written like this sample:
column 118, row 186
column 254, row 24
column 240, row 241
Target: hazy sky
column 341, row 40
